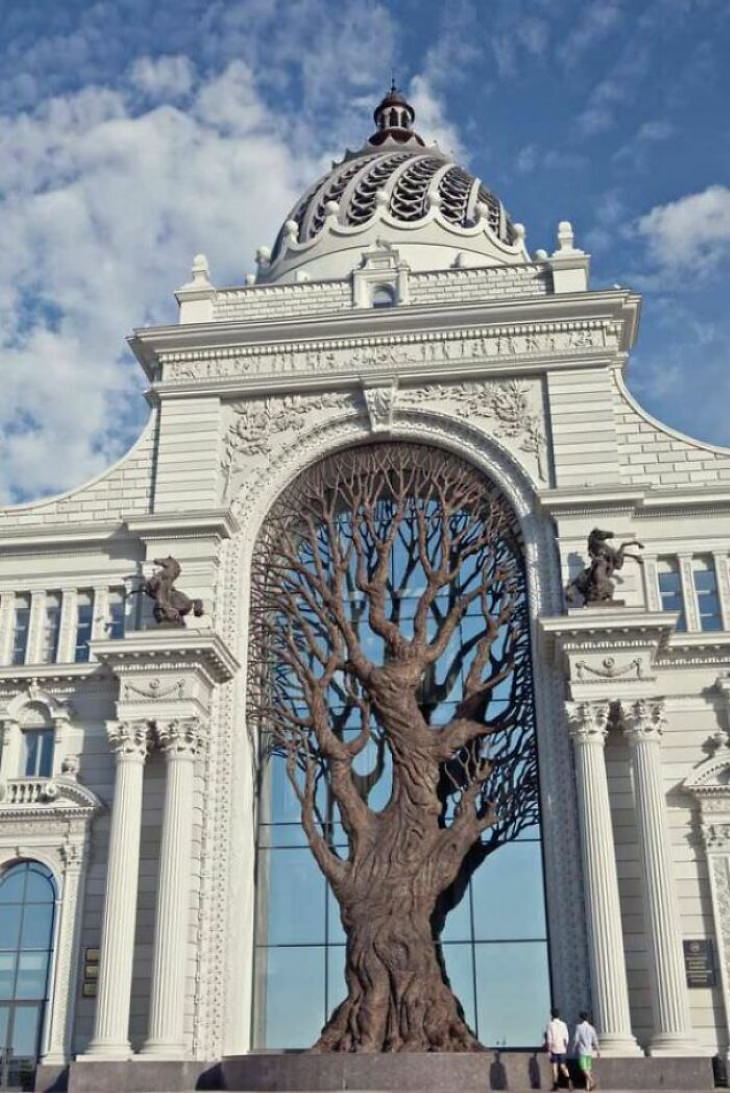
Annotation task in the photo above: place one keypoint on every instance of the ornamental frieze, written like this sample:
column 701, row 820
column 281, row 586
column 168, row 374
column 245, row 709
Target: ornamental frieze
column 366, row 355
column 510, row 411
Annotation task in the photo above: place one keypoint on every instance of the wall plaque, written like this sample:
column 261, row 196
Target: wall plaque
column 699, row 963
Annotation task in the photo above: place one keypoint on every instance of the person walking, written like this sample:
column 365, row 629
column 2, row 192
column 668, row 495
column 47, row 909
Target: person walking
column 585, row 1044
column 556, row 1044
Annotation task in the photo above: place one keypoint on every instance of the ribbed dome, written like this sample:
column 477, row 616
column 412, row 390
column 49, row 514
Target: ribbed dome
column 398, row 190
column 406, row 183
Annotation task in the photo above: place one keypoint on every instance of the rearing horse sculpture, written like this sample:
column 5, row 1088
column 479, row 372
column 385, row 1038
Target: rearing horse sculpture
column 171, row 605
column 594, row 583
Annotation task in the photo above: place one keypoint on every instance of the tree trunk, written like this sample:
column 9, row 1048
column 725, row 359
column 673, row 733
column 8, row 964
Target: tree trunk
column 397, row 997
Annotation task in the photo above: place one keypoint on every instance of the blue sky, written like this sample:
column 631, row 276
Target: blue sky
column 135, row 134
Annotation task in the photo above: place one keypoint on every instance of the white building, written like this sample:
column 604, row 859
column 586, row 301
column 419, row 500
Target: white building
column 399, row 302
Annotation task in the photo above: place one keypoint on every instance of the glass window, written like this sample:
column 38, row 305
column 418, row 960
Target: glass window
column 290, row 988
column 115, row 622
column 51, row 627
column 21, row 626
column 708, row 600
column 38, row 753
column 27, row 895
column 670, row 589
column 513, row 993
column 383, row 296
column 84, row 624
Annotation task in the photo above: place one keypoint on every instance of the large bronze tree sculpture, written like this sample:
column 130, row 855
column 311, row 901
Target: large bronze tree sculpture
column 365, row 574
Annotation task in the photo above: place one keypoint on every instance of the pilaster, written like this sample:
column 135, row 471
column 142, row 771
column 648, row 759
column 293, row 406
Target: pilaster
column 686, row 577
column 35, row 627
column 67, row 627
column 644, row 722
column 7, row 612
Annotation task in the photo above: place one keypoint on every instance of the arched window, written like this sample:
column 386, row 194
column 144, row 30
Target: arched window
column 367, row 560
column 27, row 904
column 383, row 296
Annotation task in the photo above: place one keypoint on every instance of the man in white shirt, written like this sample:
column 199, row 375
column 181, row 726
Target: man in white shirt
column 585, row 1043
column 556, row 1044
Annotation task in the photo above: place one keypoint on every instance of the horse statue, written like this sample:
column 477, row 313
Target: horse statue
column 171, row 605
column 594, row 583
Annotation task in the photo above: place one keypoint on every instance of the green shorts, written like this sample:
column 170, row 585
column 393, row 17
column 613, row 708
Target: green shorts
column 585, row 1062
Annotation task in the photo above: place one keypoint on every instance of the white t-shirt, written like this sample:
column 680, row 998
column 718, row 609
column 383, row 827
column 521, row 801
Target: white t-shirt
column 557, row 1036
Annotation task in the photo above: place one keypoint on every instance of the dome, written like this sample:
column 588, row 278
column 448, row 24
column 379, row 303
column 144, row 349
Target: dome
column 403, row 190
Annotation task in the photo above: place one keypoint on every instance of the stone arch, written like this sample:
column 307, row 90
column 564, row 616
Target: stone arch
column 568, row 942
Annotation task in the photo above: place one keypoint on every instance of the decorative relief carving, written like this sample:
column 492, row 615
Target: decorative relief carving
column 256, row 423
column 380, row 404
column 155, row 689
column 129, row 739
column 588, row 721
column 608, row 669
column 644, row 720
column 485, row 343
column 181, row 736
column 509, row 404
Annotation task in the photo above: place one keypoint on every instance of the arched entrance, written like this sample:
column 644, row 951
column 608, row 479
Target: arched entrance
column 421, row 506
column 27, row 908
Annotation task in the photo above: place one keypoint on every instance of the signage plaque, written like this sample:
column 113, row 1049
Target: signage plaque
column 699, row 963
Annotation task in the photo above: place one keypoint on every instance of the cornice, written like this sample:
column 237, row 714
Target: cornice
column 607, row 628
column 200, row 524
column 567, row 501
column 23, row 674
column 52, row 536
column 167, row 649
column 618, row 306
column 641, row 502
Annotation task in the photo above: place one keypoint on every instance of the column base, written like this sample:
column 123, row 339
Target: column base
column 164, row 1050
column 667, row 1044
column 105, row 1049
column 616, row 1045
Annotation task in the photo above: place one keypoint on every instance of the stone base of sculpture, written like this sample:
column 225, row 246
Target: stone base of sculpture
column 387, row 1073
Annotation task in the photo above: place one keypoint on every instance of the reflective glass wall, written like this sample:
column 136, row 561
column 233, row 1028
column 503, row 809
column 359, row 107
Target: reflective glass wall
column 27, row 905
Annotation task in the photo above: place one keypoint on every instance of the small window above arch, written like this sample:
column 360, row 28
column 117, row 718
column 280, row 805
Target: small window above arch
column 383, row 296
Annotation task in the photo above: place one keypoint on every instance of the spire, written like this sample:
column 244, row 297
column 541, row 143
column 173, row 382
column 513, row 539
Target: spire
column 394, row 117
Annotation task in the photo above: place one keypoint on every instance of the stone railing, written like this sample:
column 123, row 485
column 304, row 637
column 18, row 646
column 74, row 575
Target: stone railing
column 28, row 791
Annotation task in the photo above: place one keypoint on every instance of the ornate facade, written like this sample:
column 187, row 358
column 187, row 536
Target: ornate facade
column 399, row 302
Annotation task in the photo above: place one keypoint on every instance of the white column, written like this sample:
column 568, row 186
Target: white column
column 111, row 1031
column 11, row 741
column 589, row 727
column 181, row 741
column 36, row 626
column 672, row 1025
column 722, row 575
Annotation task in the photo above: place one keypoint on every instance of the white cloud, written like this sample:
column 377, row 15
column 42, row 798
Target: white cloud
column 527, row 159
column 102, row 212
column 163, row 77
column 595, row 22
column 655, row 130
column 430, row 119
column 690, row 234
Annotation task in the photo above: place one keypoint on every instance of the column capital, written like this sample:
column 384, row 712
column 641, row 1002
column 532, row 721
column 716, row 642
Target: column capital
column 588, row 721
column 129, row 739
column 181, row 737
column 644, row 720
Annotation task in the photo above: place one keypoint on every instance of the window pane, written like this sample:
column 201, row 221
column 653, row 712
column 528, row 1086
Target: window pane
column 7, row 974
column 290, row 992
column 4, row 1021
column 458, row 921
column 507, row 894
column 513, row 993
column 26, row 1030
column 39, row 886
column 20, row 633
column 10, row 926
column 115, row 622
column 37, row 924
column 31, row 745
column 84, row 622
column 32, row 971
column 291, row 919
column 459, row 968
column 12, row 884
